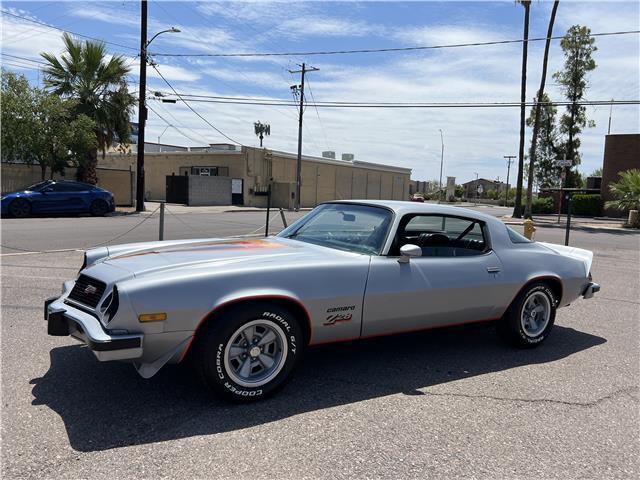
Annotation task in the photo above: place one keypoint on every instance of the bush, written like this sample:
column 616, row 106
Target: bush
column 542, row 205
column 588, row 205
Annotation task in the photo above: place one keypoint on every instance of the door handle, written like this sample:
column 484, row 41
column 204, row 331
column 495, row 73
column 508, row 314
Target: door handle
column 493, row 269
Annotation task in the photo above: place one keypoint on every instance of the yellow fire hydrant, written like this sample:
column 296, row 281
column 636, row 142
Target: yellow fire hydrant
column 529, row 228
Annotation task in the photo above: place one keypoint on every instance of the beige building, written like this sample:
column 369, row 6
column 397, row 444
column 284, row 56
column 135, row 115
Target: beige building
column 253, row 169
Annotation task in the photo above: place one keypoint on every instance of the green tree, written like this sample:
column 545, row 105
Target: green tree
column 41, row 128
column 546, row 150
column 98, row 84
column 578, row 47
column 18, row 122
column 626, row 190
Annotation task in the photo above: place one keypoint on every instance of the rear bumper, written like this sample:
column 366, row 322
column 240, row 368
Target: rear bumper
column 64, row 320
column 590, row 290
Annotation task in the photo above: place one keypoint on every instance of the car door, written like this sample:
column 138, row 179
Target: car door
column 56, row 197
column 446, row 286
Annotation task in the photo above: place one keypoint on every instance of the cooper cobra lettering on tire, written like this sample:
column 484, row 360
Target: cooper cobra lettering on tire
column 529, row 319
column 249, row 351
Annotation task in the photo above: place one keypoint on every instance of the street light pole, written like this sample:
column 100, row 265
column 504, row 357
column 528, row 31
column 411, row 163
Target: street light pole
column 441, row 160
column 142, row 109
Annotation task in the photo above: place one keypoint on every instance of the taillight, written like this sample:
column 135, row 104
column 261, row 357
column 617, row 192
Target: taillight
column 590, row 277
column 84, row 263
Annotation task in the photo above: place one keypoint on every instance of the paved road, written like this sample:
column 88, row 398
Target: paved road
column 449, row 403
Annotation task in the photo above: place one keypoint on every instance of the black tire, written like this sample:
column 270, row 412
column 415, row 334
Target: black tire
column 516, row 326
column 219, row 337
column 99, row 208
column 20, row 208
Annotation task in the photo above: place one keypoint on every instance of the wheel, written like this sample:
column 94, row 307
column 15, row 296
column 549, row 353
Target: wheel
column 20, row 208
column 248, row 352
column 529, row 319
column 99, row 208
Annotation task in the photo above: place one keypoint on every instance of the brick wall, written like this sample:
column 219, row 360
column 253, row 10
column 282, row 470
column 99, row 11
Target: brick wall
column 621, row 152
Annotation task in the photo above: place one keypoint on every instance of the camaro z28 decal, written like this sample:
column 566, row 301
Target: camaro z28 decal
column 339, row 314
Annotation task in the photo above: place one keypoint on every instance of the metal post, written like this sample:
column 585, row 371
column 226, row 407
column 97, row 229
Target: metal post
column 161, row 223
column 266, row 227
column 142, row 109
column 562, row 181
column 568, row 228
column 284, row 220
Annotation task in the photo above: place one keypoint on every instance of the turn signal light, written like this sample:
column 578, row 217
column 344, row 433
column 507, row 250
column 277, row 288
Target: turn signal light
column 152, row 317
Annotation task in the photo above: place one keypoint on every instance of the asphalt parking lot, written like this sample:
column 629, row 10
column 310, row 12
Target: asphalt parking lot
column 446, row 403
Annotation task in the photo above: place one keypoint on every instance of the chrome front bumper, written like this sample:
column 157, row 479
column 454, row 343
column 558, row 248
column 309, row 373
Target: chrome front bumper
column 64, row 320
column 590, row 290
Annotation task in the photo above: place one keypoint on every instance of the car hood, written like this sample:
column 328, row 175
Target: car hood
column 20, row 193
column 233, row 253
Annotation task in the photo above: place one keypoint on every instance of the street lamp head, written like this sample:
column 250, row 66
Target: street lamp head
column 174, row 30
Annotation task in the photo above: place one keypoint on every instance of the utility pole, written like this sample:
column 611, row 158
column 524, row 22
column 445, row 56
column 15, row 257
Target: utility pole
column 300, row 90
column 476, row 173
column 509, row 160
column 441, row 161
column 610, row 113
column 142, row 109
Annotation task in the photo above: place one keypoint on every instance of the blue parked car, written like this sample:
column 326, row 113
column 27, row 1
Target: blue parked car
column 58, row 196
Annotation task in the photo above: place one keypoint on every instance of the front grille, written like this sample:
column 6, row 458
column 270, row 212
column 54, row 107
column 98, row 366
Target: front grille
column 90, row 298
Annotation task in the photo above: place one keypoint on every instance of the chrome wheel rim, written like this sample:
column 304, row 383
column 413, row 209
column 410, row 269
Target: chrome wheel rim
column 535, row 314
column 255, row 353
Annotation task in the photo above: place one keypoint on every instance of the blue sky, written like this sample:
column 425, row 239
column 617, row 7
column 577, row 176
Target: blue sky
column 475, row 139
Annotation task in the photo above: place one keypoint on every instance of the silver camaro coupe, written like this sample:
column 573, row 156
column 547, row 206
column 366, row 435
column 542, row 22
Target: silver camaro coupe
column 244, row 310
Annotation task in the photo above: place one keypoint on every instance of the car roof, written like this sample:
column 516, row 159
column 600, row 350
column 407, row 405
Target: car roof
column 403, row 208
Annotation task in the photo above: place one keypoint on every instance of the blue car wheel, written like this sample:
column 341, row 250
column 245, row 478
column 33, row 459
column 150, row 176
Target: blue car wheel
column 20, row 208
column 99, row 208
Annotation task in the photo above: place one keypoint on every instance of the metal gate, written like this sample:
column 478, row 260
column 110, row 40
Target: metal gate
column 177, row 189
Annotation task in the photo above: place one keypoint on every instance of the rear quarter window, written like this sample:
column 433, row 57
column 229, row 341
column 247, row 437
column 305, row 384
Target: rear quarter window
column 516, row 237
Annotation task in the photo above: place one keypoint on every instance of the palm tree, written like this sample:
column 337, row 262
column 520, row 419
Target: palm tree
column 626, row 191
column 538, row 109
column 517, row 208
column 98, row 84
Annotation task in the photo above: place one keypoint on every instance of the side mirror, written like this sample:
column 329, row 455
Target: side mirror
column 407, row 251
column 47, row 190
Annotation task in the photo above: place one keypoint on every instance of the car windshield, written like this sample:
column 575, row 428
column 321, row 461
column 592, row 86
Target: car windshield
column 344, row 226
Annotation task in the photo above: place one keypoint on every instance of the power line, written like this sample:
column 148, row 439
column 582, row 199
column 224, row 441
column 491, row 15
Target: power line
column 23, row 58
column 194, row 111
column 172, row 125
column 382, row 50
column 324, row 133
column 283, row 103
column 37, row 22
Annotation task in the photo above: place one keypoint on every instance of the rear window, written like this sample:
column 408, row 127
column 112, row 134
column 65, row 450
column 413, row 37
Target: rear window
column 517, row 237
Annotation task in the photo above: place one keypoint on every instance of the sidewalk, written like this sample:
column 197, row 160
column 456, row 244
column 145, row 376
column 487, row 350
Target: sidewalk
column 180, row 208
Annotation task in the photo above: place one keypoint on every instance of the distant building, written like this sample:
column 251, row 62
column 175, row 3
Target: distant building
column 471, row 188
column 621, row 153
column 253, row 170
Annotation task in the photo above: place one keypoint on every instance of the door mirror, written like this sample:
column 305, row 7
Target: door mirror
column 407, row 251
column 47, row 190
